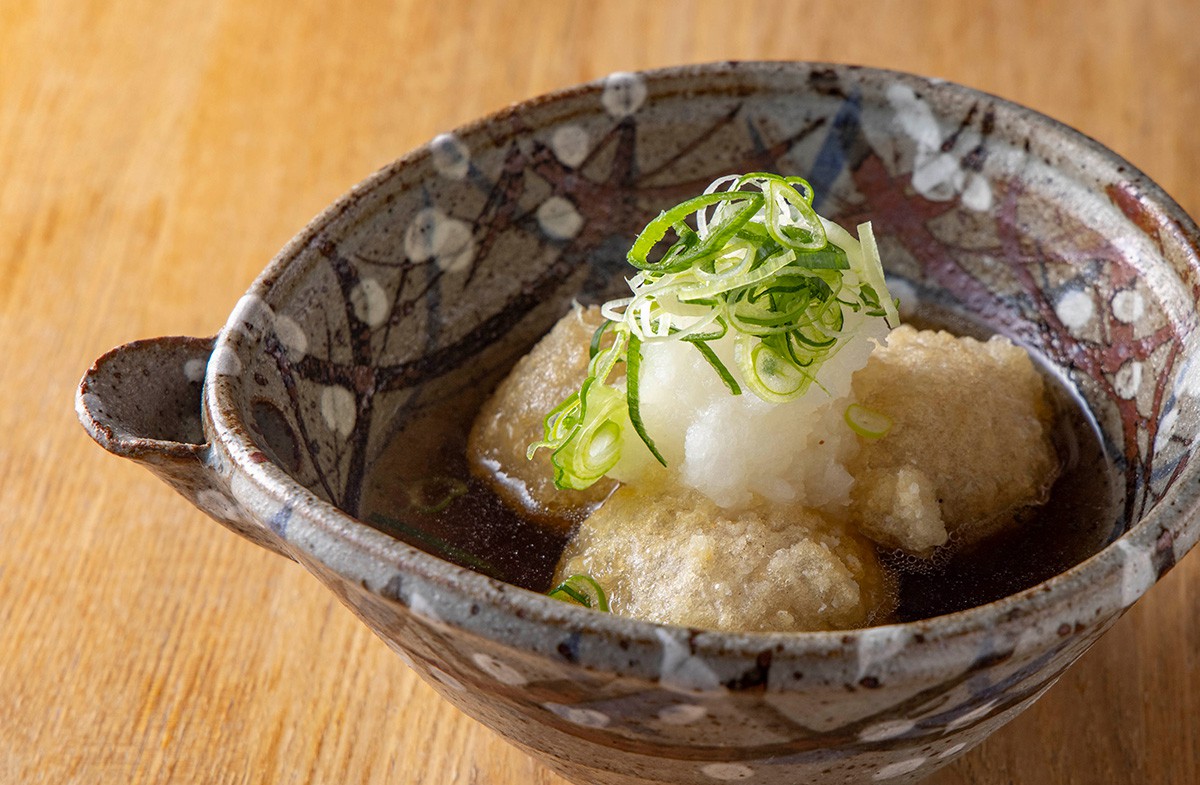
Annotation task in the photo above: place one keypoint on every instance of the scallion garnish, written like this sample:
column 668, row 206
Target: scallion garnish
column 633, row 363
column 431, row 495
column 759, row 262
column 867, row 423
column 582, row 590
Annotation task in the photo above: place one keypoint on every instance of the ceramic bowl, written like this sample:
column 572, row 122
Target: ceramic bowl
column 392, row 313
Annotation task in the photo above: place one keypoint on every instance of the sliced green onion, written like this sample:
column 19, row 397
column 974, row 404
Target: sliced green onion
column 715, row 241
column 808, row 233
column 598, row 336
column 559, row 425
column 595, row 444
column 765, row 271
column 867, row 423
column 760, row 262
column 718, row 366
column 581, row 589
column 657, row 229
column 431, row 495
column 831, row 257
column 871, row 273
column 633, row 363
column 768, row 373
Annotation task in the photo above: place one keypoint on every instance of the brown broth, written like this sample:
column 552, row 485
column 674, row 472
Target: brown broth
column 1076, row 521
column 421, row 492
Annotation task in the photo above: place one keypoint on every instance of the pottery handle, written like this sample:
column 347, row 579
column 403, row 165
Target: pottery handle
column 142, row 401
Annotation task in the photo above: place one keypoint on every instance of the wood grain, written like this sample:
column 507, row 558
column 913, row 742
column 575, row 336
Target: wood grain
column 154, row 154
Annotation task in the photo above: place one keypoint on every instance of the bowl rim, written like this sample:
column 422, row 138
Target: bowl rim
column 228, row 432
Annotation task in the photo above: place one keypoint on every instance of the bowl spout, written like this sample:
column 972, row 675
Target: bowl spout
column 142, row 401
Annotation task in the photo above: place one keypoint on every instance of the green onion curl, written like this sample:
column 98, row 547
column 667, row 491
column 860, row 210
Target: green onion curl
column 582, row 590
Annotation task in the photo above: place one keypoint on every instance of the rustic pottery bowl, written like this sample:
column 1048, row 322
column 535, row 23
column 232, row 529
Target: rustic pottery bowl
column 396, row 309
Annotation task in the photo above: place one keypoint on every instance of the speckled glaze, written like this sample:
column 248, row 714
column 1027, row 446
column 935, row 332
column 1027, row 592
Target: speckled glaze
column 427, row 280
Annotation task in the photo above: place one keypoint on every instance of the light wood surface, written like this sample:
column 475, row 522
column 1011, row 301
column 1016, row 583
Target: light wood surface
column 154, row 154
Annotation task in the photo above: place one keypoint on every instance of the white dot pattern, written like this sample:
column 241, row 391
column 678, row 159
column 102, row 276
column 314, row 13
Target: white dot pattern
column 1166, row 428
column 451, row 156
column 193, row 370
column 727, row 772
column 370, row 302
column 570, row 144
column 339, row 409
column 456, row 247
column 682, row 714
column 588, row 718
column 952, row 751
column 250, row 314
column 434, row 235
column 291, row 334
column 971, row 716
column 1128, row 305
column 977, row 195
column 624, row 93
column 889, row 729
column 498, row 670
column 1137, row 572
column 559, row 219
column 938, row 174
column 1075, row 309
column 420, row 237
column 1128, row 379
column 899, row 768
column 681, row 670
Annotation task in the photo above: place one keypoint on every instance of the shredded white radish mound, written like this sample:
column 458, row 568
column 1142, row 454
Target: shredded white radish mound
column 732, row 448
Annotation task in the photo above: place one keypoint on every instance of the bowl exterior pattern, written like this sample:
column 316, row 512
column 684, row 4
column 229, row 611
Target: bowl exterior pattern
column 428, row 280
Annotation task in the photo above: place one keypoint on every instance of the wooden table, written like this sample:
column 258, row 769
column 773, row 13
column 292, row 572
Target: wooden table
column 154, row 154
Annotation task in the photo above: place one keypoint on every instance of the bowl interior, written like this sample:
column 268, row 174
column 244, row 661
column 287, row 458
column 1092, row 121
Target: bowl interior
column 369, row 344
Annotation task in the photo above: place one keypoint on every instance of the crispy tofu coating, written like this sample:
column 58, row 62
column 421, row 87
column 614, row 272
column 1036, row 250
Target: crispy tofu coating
column 512, row 419
column 969, row 452
column 671, row 555
column 970, row 448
